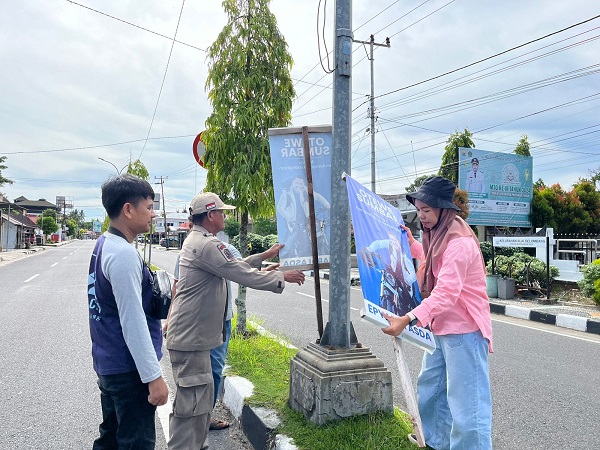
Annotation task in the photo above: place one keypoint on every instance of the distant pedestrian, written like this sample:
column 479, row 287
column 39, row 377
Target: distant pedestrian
column 126, row 339
column 198, row 316
column 454, row 386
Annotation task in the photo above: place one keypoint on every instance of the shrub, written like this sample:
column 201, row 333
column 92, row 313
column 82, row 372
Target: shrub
column 256, row 243
column 486, row 251
column 590, row 285
column 518, row 266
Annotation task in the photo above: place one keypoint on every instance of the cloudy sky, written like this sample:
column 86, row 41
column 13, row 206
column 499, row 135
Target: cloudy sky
column 85, row 80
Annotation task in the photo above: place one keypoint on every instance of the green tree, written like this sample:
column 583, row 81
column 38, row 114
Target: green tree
column 232, row 227
column 522, row 147
column 265, row 226
column 72, row 227
column 542, row 211
column 47, row 224
column 138, row 169
column 50, row 213
column 586, row 192
column 449, row 167
column 416, row 184
column 250, row 90
column 3, row 180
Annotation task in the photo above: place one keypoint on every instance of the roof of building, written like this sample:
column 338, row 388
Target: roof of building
column 41, row 203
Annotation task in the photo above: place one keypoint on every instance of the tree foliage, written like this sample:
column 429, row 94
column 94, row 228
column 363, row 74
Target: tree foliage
column 250, row 90
column 47, row 224
column 138, row 169
column 449, row 167
column 416, row 184
column 3, row 180
column 574, row 212
column 265, row 226
column 522, row 147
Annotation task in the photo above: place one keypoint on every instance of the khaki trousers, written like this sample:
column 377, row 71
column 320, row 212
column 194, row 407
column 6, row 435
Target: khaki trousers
column 190, row 419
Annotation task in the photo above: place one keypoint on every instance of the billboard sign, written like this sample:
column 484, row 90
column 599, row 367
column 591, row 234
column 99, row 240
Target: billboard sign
column 291, row 193
column 499, row 185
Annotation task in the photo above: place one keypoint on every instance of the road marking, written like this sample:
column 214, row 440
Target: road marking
column 31, row 278
column 65, row 257
column 546, row 331
column 53, row 264
column 323, row 299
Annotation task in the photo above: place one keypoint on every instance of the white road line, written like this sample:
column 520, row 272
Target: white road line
column 53, row 264
column 546, row 331
column 65, row 257
column 323, row 299
column 31, row 278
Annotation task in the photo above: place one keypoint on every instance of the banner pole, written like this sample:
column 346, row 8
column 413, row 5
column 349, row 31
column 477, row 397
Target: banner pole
column 313, row 231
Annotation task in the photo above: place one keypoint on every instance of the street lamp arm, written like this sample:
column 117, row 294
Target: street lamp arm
column 118, row 171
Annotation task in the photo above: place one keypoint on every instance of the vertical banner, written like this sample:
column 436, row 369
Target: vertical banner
column 499, row 185
column 291, row 194
column 387, row 273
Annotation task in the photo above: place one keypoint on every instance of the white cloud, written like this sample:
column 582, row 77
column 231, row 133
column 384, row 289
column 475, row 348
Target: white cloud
column 74, row 78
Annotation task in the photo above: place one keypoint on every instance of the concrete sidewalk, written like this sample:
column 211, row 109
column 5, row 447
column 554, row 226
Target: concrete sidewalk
column 13, row 255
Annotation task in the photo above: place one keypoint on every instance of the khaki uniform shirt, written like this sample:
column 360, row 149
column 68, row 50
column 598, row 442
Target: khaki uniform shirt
column 198, row 311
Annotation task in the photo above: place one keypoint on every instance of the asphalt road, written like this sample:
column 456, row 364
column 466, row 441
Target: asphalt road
column 544, row 378
column 49, row 397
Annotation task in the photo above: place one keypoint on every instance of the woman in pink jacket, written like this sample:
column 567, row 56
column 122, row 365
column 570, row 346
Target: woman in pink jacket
column 453, row 387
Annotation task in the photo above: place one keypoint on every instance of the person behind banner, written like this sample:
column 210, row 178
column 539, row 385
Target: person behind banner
column 393, row 275
column 475, row 178
column 293, row 207
column 453, row 387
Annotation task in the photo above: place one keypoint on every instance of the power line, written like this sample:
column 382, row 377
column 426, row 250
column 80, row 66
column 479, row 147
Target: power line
column 163, row 80
column 136, row 26
column 97, row 146
column 490, row 57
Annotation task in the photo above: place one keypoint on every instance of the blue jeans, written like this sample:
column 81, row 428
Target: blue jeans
column 127, row 417
column 217, row 360
column 455, row 400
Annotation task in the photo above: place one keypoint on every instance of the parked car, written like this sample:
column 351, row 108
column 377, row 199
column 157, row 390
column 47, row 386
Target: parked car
column 173, row 242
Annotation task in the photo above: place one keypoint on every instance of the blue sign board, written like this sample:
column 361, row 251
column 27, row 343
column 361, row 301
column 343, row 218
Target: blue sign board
column 291, row 194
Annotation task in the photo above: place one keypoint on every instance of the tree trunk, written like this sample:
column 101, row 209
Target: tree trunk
column 240, row 302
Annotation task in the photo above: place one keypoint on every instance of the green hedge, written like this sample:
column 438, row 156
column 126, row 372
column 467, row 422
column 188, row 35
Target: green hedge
column 590, row 285
column 516, row 267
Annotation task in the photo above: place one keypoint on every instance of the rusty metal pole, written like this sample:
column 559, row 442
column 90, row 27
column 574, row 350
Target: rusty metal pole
column 313, row 231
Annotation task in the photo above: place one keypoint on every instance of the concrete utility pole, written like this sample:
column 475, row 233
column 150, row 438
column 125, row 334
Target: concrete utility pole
column 162, row 194
column 338, row 378
column 372, row 44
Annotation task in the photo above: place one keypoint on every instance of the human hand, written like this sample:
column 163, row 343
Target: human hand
column 159, row 392
column 272, row 267
column 409, row 234
column 165, row 328
column 272, row 252
column 294, row 276
column 397, row 324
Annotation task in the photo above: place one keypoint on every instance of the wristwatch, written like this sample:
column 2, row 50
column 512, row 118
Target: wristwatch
column 413, row 319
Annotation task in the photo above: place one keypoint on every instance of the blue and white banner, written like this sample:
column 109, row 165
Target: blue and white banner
column 387, row 273
column 499, row 185
column 291, row 194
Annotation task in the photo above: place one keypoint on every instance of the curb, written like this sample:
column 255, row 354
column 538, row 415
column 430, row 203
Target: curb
column 562, row 320
column 258, row 424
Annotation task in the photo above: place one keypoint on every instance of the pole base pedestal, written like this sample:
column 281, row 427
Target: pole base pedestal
column 328, row 385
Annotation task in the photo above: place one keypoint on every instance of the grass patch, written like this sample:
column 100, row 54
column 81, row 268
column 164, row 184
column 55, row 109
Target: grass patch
column 266, row 363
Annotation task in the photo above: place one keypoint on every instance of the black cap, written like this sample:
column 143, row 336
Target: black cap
column 474, row 161
column 437, row 192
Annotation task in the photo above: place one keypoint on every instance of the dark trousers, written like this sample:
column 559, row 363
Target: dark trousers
column 127, row 417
